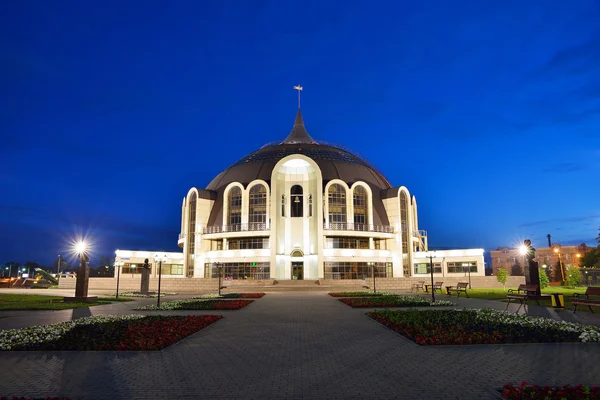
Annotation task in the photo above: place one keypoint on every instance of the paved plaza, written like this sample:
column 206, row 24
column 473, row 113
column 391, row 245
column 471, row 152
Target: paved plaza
column 293, row 345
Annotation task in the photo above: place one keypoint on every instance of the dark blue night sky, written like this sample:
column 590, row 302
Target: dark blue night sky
column 488, row 111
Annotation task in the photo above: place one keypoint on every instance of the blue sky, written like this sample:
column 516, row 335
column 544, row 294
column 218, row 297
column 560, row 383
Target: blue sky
column 489, row 112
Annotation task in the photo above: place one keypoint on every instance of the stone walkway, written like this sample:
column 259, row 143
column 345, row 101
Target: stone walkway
column 290, row 346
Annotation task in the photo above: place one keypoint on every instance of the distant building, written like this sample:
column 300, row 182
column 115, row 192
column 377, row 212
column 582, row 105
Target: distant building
column 548, row 257
column 107, row 260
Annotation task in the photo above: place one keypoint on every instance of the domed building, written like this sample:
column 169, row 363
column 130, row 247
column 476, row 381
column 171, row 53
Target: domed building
column 300, row 209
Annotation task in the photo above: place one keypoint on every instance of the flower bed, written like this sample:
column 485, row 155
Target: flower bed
column 475, row 326
column 230, row 296
column 534, row 392
column 358, row 294
column 145, row 296
column 393, row 301
column 107, row 332
column 197, row 305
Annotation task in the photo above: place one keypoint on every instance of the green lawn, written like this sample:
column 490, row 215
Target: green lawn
column 41, row 302
column 500, row 294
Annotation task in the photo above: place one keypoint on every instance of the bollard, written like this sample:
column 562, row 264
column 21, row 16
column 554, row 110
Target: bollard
column 558, row 301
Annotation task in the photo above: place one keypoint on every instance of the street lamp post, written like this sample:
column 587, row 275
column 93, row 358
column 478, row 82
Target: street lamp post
column 118, row 265
column 374, row 289
column 562, row 273
column 431, row 272
column 218, row 265
column 160, row 260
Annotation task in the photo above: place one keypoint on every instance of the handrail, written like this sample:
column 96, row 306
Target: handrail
column 253, row 226
column 350, row 226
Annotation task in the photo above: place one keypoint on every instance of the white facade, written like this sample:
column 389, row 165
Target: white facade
column 131, row 262
column 290, row 215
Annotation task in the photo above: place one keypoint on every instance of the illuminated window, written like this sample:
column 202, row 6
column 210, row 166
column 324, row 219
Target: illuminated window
column 359, row 199
column 404, row 220
column 337, row 204
column 191, row 235
column 257, row 212
column 235, row 206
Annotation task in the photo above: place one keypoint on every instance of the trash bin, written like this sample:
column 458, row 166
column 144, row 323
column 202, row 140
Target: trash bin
column 558, row 301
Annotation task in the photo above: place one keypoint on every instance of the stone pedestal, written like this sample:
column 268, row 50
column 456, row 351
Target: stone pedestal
column 83, row 278
column 145, row 286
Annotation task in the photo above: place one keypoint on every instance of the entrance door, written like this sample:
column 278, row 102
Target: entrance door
column 297, row 270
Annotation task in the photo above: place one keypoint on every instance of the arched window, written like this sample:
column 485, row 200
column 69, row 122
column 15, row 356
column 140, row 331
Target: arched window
column 360, row 208
column 337, row 204
column 283, row 205
column 404, row 220
column 234, row 202
column 257, row 212
column 310, row 205
column 191, row 235
column 297, row 201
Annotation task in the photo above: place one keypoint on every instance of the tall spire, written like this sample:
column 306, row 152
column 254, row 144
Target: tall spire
column 299, row 133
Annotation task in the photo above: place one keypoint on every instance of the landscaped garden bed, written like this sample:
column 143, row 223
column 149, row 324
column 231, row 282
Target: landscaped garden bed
column 392, row 301
column 533, row 392
column 358, row 294
column 485, row 326
column 193, row 304
column 11, row 302
column 107, row 332
column 230, row 296
column 141, row 295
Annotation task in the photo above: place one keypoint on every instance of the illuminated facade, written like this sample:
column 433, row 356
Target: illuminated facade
column 302, row 209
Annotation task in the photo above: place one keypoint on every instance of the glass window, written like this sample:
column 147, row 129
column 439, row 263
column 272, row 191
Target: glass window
column 357, row 270
column 379, row 244
column 404, row 220
column 359, row 199
column 337, row 204
column 343, row 242
column 191, row 235
column 248, row 243
column 462, row 266
column 235, row 271
column 257, row 211
column 235, row 206
column 423, row 268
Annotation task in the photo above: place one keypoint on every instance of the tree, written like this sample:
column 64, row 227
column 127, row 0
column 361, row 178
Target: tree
column 502, row 277
column 543, row 278
column 516, row 269
column 13, row 267
column 574, row 277
column 591, row 259
column 557, row 272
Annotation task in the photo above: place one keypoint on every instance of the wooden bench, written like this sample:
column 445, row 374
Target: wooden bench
column 418, row 286
column 461, row 287
column 436, row 286
column 579, row 298
column 522, row 294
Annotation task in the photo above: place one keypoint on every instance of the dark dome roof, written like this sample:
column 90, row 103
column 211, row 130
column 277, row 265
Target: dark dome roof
column 334, row 162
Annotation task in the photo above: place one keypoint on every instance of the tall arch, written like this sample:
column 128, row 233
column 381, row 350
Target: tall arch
column 336, row 201
column 404, row 220
column 234, row 207
column 360, row 201
column 191, row 248
column 257, row 205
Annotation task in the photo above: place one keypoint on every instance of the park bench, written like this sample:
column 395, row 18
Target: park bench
column 417, row 286
column 461, row 287
column 524, row 293
column 436, row 286
column 579, row 298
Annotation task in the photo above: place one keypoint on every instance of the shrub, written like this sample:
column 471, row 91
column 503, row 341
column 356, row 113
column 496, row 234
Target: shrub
column 574, row 276
column 543, row 279
column 502, row 277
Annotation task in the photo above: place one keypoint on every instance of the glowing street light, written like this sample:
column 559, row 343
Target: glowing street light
column 160, row 259
column 118, row 264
